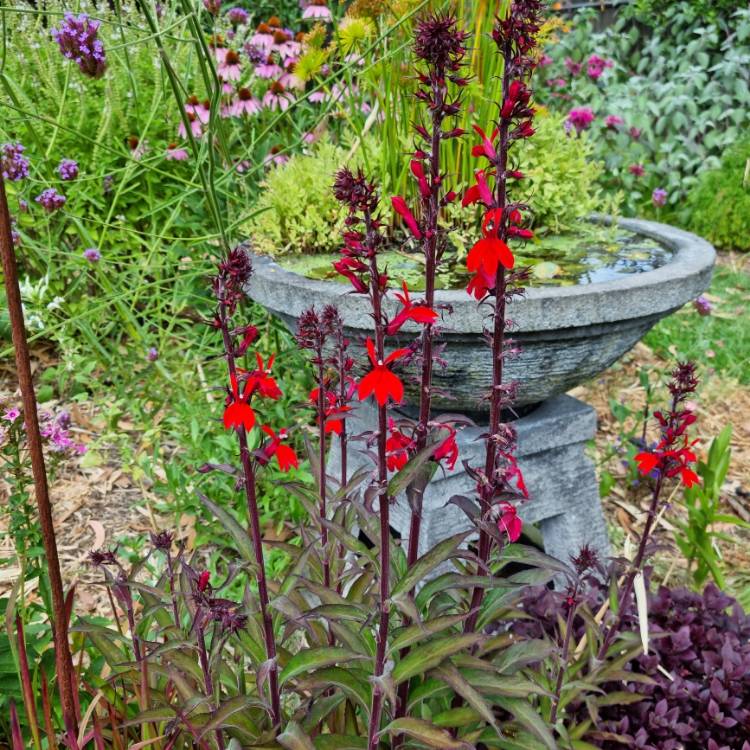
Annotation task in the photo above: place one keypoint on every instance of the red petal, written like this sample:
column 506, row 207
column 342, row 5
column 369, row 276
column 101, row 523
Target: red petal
column 400, row 207
column 472, row 195
column 388, row 385
column 647, row 462
column 689, row 477
column 370, row 344
column 422, row 314
column 397, row 354
column 238, row 413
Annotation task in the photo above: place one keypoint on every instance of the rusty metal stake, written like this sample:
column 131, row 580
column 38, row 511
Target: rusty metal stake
column 63, row 657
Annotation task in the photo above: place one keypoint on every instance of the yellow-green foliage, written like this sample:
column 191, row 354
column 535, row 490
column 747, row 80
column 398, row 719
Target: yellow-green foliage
column 560, row 185
column 300, row 214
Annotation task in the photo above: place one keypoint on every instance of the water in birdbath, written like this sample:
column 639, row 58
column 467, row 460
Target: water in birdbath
column 591, row 255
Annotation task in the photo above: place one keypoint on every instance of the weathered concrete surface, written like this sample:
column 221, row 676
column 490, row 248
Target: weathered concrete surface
column 564, row 493
column 566, row 334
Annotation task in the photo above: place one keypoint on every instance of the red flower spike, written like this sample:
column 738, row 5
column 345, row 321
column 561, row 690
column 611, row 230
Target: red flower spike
column 486, row 148
column 260, row 380
column 380, row 381
column 509, row 522
column 400, row 207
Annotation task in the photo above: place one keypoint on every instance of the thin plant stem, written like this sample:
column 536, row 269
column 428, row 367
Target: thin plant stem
column 63, row 657
column 563, row 659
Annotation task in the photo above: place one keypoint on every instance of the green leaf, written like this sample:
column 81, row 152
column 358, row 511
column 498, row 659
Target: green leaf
column 427, row 563
column 315, row 658
column 220, row 717
column 412, row 634
column 415, row 470
column 450, row 675
column 340, row 742
column 526, row 715
column 353, row 682
column 426, row 733
column 430, row 655
column 239, row 535
column 293, row 738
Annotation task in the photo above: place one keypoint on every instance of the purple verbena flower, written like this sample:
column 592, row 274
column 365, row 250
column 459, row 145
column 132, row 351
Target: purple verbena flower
column 11, row 414
column 659, row 196
column 78, row 41
column 50, row 199
column 68, row 169
column 92, row 255
column 703, row 306
column 13, row 164
column 238, row 16
column 152, row 354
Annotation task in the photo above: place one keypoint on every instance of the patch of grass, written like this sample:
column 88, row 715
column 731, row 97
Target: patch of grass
column 720, row 340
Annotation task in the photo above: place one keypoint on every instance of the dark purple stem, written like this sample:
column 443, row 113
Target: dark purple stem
column 376, row 295
column 564, row 658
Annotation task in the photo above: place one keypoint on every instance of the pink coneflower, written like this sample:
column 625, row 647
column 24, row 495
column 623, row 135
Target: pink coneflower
column 216, row 45
column 317, row 10
column 637, row 169
column 613, row 121
column 195, row 127
column 175, row 153
column 263, row 38
column 290, row 80
column 200, row 109
column 288, row 50
column 242, row 166
column 275, row 158
column 317, row 97
column 581, row 118
column 277, row 97
column 268, row 69
column 245, row 104
column 230, row 69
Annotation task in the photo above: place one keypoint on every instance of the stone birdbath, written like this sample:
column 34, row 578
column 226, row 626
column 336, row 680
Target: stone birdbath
column 567, row 335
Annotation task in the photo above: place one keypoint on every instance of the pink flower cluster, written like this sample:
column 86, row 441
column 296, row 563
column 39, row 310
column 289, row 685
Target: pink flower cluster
column 580, row 118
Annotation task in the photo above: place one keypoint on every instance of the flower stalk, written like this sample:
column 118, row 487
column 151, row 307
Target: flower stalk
column 63, row 657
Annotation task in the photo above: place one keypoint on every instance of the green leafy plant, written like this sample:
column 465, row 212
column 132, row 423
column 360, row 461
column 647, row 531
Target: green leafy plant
column 718, row 207
column 697, row 538
column 685, row 91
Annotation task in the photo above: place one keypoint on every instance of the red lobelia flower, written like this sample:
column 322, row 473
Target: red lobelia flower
column 333, row 413
column 400, row 207
column 672, row 462
column 239, row 413
column 260, row 379
column 419, row 313
column 509, row 522
column 397, row 448
column 486, row 147
column 380, row 381
column 285, row 456
column 447, row 450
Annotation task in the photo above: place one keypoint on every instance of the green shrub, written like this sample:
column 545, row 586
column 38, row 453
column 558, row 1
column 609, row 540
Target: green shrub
column 718, row 208
column 561, row 175
column 299, row 211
